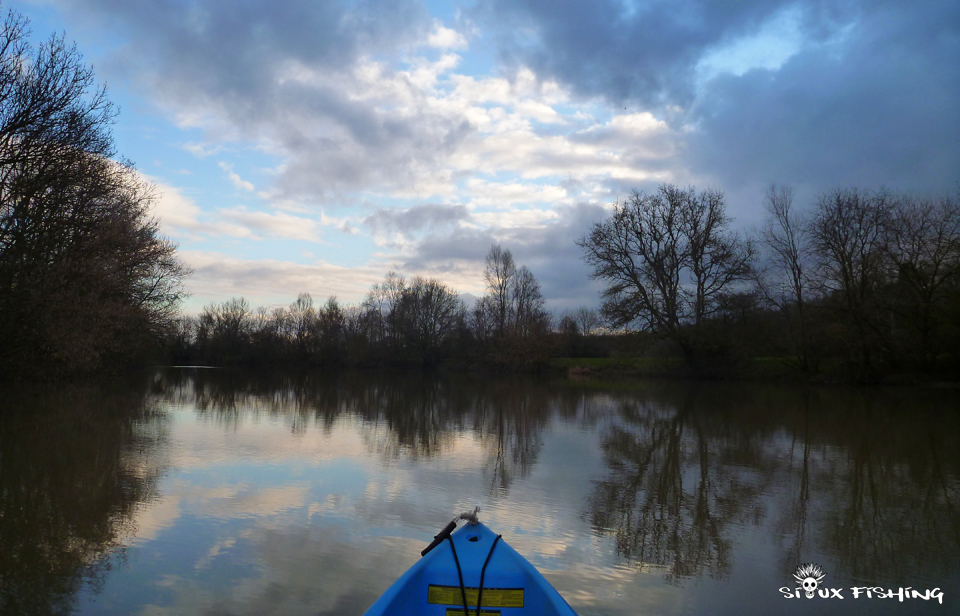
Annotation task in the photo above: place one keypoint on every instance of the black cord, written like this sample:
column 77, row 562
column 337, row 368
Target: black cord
column 483, row 572
column 463, row 590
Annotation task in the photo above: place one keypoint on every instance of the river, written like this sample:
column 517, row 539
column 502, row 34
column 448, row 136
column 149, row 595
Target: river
column 212, row 492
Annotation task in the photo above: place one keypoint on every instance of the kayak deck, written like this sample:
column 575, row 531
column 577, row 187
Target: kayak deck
column 511, row 585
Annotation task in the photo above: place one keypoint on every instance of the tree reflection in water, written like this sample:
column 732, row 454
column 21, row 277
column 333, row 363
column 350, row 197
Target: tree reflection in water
column 678, row 479
column 414, row 415
column 75, row 463
column 895, row 490
column 871, row 479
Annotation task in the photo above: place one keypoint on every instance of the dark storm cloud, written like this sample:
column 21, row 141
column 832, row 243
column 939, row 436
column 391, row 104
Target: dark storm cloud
column 882, row 109
column 553, row 256
column 438, row 249
column 869, row 98
column 644, row 51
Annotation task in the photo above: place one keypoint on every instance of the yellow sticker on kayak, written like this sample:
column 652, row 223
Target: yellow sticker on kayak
column 492, row 597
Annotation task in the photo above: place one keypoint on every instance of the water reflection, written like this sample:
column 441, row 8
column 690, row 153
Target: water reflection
column 408, row 414
column 302, row 494
column 892, row 486
column 679, row 478
column 72, row 474
column 869, row 479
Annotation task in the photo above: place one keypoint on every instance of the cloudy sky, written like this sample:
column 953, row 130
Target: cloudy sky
column 313, row 146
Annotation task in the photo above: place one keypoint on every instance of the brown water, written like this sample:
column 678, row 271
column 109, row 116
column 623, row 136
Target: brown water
column 213, row 492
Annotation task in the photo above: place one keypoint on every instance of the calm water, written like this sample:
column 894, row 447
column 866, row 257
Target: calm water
column 215, row 493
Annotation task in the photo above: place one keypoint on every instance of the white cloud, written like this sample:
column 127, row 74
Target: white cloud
column 277, row 225
column 177, row 214
column 446, row 38
column 156, row 516
column 505, row 194
column 201, row 150
column 236, row 179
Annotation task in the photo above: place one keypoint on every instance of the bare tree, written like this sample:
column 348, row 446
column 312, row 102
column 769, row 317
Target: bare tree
column 922, row 241
column 586, row 319
column 526, row 308
column 223, row 330
column 426, row 317
column 483, row 318
column 848, row 234
column 786, row 282
column 301, row 322
column 379, row 302
column 717, row 259
column 499, row 275
column 330, row 331
column 667, row 259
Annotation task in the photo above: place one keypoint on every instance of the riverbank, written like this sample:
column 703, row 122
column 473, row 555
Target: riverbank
column 757, row 369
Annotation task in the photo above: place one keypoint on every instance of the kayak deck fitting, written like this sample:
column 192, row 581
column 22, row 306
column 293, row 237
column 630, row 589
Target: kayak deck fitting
column 459, row 568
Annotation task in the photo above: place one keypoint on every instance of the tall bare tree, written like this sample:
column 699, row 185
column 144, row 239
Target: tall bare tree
column 848, row 231
column 499, row 275
column 529, row 316
column 667, row 258
column 379, row 302
column 426, row 318
column 786, row 282
column 586, row 319
column 922, row 241
column 301, row 322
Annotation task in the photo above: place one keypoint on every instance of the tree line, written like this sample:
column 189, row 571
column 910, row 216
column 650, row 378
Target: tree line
column 865, row 280
column 418, row 321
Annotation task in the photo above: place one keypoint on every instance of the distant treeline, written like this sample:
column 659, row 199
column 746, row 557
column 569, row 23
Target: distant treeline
column 863, row 286
column 406, row 322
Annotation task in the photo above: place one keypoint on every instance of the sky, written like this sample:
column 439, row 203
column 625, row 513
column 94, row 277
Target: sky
column 313, row 146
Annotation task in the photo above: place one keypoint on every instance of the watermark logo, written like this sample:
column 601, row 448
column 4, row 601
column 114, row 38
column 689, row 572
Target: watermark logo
column 810, row 578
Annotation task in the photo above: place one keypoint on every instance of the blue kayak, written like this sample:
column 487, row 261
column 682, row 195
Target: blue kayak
column 465, row 565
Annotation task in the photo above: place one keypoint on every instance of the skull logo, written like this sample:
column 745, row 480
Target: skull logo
column 809, row 576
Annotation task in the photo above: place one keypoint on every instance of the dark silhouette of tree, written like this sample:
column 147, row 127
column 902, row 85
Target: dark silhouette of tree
column 848, row 232
column 499, row 275
column 668, row 258
column 85, row 276
column 378, row 304
column 300, row 322
column 529, row 316
column 223, row 331
column 586, row 319
column 331, row 332
column 922, row 242
column 510, row 321
column 425, row 318
column 786, row 282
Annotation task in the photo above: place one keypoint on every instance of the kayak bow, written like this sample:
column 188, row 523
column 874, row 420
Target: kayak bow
column 469, row 565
